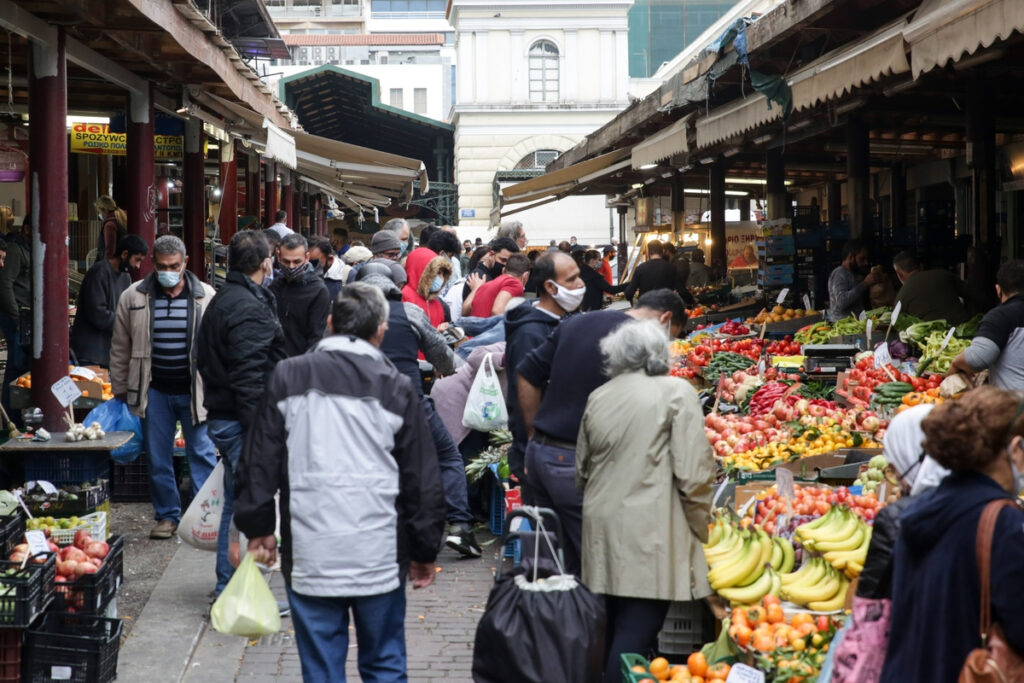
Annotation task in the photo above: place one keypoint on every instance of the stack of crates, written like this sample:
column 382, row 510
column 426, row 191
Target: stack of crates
column 776, row 255
column 688, row 625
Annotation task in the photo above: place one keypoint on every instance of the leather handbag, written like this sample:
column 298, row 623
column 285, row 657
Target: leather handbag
column 995, row 661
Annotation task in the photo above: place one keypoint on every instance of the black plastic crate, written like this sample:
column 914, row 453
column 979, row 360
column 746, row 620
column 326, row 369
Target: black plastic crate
column 12, row 531
column 92, row 593
column 72, row 647
column 25, row 592
column 67, row 468
column 11, row 640
column 129, row 482
column 88, row 500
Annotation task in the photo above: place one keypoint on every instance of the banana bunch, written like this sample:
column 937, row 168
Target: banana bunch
column 745, row 564
column 816, row 585
column 841, row 537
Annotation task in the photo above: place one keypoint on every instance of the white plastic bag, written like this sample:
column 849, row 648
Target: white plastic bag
column 246, row 606
column 200, row 524
column 485, row 406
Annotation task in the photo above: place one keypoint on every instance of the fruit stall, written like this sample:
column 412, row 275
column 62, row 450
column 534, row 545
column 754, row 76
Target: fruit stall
column 796, row 422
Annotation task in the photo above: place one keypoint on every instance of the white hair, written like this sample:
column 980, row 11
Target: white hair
column 640, row 345
column 510, row 229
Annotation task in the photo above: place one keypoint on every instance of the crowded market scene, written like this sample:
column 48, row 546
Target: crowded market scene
column 511, row 342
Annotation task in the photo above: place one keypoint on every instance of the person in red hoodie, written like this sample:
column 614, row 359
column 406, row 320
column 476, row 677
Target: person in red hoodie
column 428, row 274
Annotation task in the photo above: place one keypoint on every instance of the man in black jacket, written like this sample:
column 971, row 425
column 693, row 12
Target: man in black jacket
column 341, row 435
column 409, row 333
column 302, row 299
column 97, row 301
column 656, row 272
column 240, row 342
column 526, row 328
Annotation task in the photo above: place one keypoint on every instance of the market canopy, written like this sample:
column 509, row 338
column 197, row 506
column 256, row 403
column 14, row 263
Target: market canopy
column 564, row 180
column 945, row 30
column 667, row 142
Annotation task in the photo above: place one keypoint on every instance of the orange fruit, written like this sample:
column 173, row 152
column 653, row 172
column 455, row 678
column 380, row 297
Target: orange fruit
column 743, row 636
column 697, row 679
column 770, row 600
column 756, row 615
column 659, row 668
column 764, row 643
column 802, row 618
column 718, row 672
column 775, row 615
column 697, row 664
column 637, row 669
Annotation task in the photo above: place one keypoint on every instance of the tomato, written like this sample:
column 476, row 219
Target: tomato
column 822, row 623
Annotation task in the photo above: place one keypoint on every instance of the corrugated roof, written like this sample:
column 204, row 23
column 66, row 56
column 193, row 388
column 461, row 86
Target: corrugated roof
column 364, row 39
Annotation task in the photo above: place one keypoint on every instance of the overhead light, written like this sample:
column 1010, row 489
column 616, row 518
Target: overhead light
column 170, row 184
column 731, row 152
column 750, row 181
column 707, row 241
column 216, row 192
column 648, row 167
column 71, row 120
column 707, row 160
column 637, row 186
column 729, row 193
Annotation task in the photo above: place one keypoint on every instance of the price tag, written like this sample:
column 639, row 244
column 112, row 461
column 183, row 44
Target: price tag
column 867, row 334
column 46, row 486
column 895, row 313
column 863, row 315
column 764, row 328
column 63, row 673
column 784, row 483
column 746, row 506
column 945, row 342
column 84, row 373
column 719, row 492
column 807, row 303
column 760, row 367
column 882, row 356
column 782, row 296
column 741, row 673
column 36, row 542
column 65, row 391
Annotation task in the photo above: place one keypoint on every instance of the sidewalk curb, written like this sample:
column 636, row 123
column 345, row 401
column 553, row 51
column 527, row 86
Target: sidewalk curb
column 167, row 633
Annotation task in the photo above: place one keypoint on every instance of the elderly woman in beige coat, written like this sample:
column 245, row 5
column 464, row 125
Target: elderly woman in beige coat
column 646, row 473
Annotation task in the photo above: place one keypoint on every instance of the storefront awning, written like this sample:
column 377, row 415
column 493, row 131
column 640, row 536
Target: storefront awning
column 733, row 119
column 665, row 143
column 945, row 30
column 565, row 179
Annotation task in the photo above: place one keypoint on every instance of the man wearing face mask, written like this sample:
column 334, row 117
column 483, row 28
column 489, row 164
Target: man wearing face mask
column 240, row 342
column 97, row 301
column 526, row 328
column 302, row 298
column 153, row 368
column 554, row 382
column 329, row 265
column 849, row 283
column 399, row 227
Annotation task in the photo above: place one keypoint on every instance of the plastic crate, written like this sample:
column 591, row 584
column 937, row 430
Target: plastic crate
column 29, row 591
column 67, row 468
column 497, row 516
column 92, row 593
column 628, row 675
column 12, row 531
column 96, row 524
column 72, row 647
column 687, row 627
column 11, row 640
column 129, row 482
column 88, row 501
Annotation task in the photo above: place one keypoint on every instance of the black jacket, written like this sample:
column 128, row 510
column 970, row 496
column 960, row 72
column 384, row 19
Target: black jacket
column 597, row 286
column 526, row 328
column 343, row 436
column 302, row 308
column 653, row 274
column 97, row 310
column 240, row 342
column 935, row 588
column 876, row 577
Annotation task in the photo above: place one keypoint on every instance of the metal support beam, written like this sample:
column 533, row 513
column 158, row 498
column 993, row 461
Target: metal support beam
column 287, row 192
column 678, row 201
column 141, row 199
column 835, row 201
column 981, row 159
column 295, row 211
column 270, row 191
column 194, row 198
column 898, row 197
column 228, row 191
column 857, row 175
column 717, row 201
column 775, row 185
column 252, row 185
column 48, row 107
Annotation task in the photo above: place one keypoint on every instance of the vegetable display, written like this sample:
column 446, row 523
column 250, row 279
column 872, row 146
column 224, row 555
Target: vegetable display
column 937, row 359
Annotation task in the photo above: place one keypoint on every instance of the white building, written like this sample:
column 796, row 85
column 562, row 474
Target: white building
column 533, row 78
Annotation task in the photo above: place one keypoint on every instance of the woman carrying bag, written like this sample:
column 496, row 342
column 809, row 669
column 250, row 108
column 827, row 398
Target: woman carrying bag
column 936, row 592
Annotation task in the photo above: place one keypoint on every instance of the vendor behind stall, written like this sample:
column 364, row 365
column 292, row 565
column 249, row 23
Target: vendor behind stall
column 933, row 294
column 999, row 344
column 849, row 282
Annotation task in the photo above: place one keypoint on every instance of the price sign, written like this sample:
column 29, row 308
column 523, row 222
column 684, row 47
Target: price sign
column 65, row 391
column 760, row 367
column 882, row 356
column 807, row 303
column 46, row 486
column 867, row 334
column 741, row 673
column 782, row 296
column 84, row 373
column 862, row 316
column 36, row 542
column 719, row 492
column 945, row 342
column 895, row 313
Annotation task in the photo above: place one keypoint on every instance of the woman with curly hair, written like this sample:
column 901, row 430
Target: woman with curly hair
column 936, row 586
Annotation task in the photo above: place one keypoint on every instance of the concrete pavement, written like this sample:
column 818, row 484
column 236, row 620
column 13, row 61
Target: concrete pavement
column 172, row 641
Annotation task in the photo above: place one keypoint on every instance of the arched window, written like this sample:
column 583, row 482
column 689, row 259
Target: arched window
column 537, row 161
column 544, row 72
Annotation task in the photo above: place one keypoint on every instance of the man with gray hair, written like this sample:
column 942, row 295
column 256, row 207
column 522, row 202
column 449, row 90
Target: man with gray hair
column 400, row 228
column 302, row 298
column 341, row 434
column 515, row 231
column 153, row 368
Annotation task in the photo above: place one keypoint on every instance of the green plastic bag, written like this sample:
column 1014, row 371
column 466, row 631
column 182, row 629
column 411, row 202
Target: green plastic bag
column 246, row 607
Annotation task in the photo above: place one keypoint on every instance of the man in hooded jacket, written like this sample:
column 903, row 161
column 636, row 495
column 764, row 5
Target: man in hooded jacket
column 302, row 298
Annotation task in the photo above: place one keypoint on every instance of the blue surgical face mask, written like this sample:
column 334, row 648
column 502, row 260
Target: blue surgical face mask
column 168, row 278
column 437, row 284
column 404, row 248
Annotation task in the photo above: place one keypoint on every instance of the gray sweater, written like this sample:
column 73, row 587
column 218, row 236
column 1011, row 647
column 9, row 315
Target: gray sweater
column 845, row 294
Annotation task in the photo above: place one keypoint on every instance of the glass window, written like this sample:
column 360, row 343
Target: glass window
column 537, row 161
column 543, row 62
column 396, row 98
column 419, row 100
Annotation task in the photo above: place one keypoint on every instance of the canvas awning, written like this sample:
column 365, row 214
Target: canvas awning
column 735, row 118
column 667, row 142
column 945, row 30
column 565, row 179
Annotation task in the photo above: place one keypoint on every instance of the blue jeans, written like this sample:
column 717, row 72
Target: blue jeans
column 473, row 325
column 484, row 331
column 551, row 472
column 162, row 412
column 228, row 436
column 453, row 470
column 321, row 632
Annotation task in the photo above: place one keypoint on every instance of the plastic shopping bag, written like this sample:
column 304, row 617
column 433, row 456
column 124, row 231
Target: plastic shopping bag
column 485, row 406
column 114, row 416
column 246, row 607
column 201, row 522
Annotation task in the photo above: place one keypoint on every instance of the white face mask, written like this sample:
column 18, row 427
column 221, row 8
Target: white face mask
column 568, row 299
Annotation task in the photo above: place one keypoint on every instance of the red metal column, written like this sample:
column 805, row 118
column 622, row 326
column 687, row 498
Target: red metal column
column 252, row 185
column 141, row 195
column 228, row 191
column 48, row 149
column 318, row 216
column 194, row 198
column 296, row 209
column 270, row 192
column 286, row 198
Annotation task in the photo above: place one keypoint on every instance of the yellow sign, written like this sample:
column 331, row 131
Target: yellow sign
column 96, row 138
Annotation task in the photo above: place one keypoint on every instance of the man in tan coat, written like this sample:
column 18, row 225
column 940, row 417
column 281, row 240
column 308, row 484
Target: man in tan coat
column 153, row 369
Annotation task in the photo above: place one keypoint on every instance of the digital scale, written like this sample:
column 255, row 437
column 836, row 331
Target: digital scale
column 828, row 359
